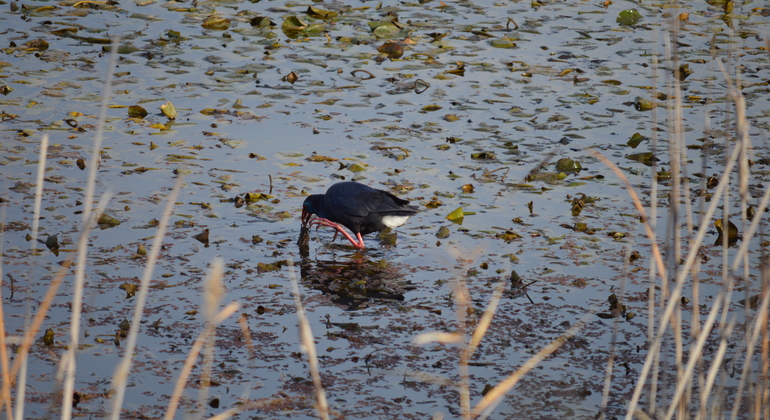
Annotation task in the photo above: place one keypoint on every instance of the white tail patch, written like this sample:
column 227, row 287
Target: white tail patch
column 394, row 221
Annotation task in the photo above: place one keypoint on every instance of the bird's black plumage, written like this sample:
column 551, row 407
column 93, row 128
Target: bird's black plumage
column 358, row 207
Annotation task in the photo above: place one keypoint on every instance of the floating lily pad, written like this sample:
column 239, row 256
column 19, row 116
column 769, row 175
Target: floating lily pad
column 503, row 42
column 293, row 23
column 136, row 111
column 635, row 140
column 356, row 167
column 261, row 22
column 646, row 158
column 105, row 221
column 392, row 49
column 642, row 104
column 483, row 156
column 629, row 17
column 382, row 29
column 320, row 13
column 568, row 165
column 216, row 23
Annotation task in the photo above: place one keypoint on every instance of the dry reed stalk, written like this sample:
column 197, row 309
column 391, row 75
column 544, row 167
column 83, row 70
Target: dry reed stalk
column 250, row 405
column 120, row 378
column 714, row 370
column 678, row 166
column 751, row 342
column 69, row 357
column 39, row 190
column 6, row 391
column 34, row 328
column 307, row 345
column 462, row 298
column 614, row 335
column 208, row 331
column 762, row 399
column 6, row 378
column 674, row 151
column 639, row 207
column 468, row 346
column 653, row 220
column 22, row 384
column 673, row 299
column 478, row 334
column 213, row 290
column 244, row 323
column 483, row 325
column 68, row 360
column 695, row 246
column 695, row 355
column 495, row 395
column 679, row 404
column 751, row 230
column 743, row 144
column 462, row 301
column 6, row 374
column 762, row 406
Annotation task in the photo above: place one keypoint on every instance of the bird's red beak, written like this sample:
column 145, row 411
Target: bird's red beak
column 306, row 217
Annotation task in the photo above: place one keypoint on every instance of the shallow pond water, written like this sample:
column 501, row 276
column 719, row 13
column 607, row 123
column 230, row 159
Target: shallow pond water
column 454, row 109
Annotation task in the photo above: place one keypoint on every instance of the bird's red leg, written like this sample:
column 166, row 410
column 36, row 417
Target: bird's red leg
column 360, row 241
column 324, row 222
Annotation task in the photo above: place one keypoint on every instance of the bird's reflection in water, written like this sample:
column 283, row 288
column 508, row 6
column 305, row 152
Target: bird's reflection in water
column 358, row 282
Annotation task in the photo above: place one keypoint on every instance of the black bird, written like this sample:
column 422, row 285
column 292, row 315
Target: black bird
column 360, row 208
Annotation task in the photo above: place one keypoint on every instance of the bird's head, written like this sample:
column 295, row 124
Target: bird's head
column 310, row 207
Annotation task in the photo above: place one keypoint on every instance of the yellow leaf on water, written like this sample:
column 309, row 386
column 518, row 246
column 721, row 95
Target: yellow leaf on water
column 168, row 110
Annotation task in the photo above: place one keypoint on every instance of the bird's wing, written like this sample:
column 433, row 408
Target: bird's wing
column 370, row 201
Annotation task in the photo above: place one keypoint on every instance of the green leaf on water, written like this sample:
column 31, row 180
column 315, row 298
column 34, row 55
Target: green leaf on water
column 320, row 13
column 293, row 23
column 642, row 104
column 384, row 29
column 635, row 140
column 503, row 42
column 456, row 216
column 629, row 17
column 216, row 23
column 136, row 111
column 356, row 167
column 568, row 165
column 646, row 158
column 261, row 22
column 315, row 28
